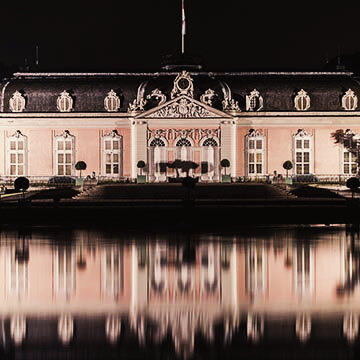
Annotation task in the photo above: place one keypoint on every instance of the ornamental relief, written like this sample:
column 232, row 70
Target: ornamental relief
column 183, row 108
column 194, row 134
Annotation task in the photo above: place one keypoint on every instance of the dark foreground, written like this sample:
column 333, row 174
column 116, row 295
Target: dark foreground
column 172, row 206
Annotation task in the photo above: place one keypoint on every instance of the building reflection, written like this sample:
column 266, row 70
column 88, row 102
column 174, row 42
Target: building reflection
column 155, row 290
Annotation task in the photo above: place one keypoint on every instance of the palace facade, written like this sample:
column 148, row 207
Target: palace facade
column 49, row 121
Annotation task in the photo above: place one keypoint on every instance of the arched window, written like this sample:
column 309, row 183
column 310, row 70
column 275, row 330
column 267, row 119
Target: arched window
column 17, row 102
column 255, row 153
column 210, row 142
column 303, row 153
column 64, row 102
column 302, row 101
column 183, row 142
column 254, row 102
column 112, row 154
column 112, row 102
column 157, row 142
column 64, row 145
column 349, row 100
column 17, row 154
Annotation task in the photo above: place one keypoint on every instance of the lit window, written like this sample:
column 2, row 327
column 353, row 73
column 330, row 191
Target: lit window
column 350, row 164
column 64, row 271
column 303, row 153
column 112, row 146
column 210, row 142
column 64, row 154
column 17, row 102
column 112, row 102
column 254, row 102
column 349, row 100
column 112, row 271
column 64, row 102
column 302, row 101
column 17, row 145
column 183, row 142
column 255, row 153
column 255, row 271
column 157, row 142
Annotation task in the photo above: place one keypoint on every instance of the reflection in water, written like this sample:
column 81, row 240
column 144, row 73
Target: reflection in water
column 184, row 294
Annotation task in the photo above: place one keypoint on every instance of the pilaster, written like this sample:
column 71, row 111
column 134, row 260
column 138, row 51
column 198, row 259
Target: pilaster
column 138, row 144
column 228, row 143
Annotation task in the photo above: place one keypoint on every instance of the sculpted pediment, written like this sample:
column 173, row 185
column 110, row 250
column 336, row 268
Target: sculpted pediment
column 183, row 107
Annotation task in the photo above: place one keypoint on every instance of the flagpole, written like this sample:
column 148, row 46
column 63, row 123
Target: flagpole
column 183, row 29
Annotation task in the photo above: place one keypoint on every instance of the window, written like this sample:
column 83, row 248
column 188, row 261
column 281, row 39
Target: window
column 210, row 142
column 302, row 101
column 184, row 149
column 112, row 271
column 349, row 100
column 64, row 271
column 112, row 152
column 254, row 102
column 303, row 268
column 256, row 271
column 17, row 275
column 350, row 164
column 17, row 102
column 64, row 154
column 64, row 102
column 303, row 153
column 112, row 102
column 157, row 142
column 16, row 149
column 255, row 153
column 183, row 142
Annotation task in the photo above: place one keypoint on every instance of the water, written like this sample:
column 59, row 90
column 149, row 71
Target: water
column 265, row 293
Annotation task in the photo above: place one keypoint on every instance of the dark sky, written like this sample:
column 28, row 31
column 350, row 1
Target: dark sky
column 134, row 34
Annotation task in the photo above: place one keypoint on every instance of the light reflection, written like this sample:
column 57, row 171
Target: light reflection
column 159, row 290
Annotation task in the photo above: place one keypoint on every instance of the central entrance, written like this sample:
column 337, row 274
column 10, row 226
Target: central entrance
column 205, row 153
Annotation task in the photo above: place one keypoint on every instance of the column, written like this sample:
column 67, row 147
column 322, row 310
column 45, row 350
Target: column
column 138, row 144
column 228, row 144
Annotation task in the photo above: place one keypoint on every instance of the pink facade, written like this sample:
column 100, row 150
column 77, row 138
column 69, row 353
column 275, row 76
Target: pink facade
column 255, row 120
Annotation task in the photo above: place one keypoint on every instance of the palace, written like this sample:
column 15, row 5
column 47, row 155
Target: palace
column 49, row 121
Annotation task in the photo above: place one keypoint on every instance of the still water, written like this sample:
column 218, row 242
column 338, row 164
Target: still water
column 89, row 294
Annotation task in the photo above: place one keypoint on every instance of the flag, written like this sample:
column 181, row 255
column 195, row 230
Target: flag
column 183, row 19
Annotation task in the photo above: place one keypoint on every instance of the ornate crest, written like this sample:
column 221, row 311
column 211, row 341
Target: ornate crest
column 302, row 133
column 137, row 105
column 207, row 97
column 254, row 133
column 302, row 100
column 182, row 108
column 17, row 102
column 112, row 102
column 157, row 94
column 183, row 85
column 230, row 105
column 349, row 101
column 64, row 102
column 254, row 102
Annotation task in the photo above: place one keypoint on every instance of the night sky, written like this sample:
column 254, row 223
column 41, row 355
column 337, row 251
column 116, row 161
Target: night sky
column 134, row 35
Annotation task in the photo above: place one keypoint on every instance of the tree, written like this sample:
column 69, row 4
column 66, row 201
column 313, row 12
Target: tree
column 350, row 141
column 80, row 166
column 287, row 165
column 21, row 184
column 140, row 165
column 225, row 163
column 176, row 164
column 186, row 166
column 353, row 184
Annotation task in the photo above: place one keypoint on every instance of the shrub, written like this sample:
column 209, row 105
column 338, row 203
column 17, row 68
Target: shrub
column 80, row 166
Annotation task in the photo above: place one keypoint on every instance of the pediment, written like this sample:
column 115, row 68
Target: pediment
column 183, row 107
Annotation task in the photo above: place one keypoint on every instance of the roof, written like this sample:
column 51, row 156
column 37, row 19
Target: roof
column 88, row 90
